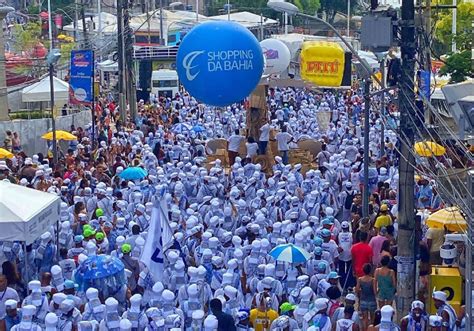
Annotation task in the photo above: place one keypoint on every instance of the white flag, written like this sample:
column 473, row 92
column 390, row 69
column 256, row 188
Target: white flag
column 159, row 238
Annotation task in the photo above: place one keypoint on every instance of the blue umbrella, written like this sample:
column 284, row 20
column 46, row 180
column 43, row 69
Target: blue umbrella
column 133, row 173
column 103, row 272
column 198, row 128
column 289, row 253
column 180, row 128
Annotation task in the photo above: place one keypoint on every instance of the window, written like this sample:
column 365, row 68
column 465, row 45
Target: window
column 165, row 83
column 172, row 38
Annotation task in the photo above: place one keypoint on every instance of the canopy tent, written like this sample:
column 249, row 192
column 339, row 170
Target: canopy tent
column 108, row 66
column 107, row 20
column 25, row 214
column 246, row 19
column 40, row 91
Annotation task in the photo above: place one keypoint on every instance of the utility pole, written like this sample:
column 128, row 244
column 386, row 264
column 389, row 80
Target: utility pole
column 131, row 86
column 365, row 196
column 406, row 209
column 382, row 109
column 162, row 33
column 121, row 64
column 85, row 42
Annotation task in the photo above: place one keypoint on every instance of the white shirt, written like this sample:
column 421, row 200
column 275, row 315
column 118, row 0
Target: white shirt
column 252, row 149
column 280, row 114
column 234, row 142
column 265, row 132
column 282, row 139
column 345, row 242
column 8, row 294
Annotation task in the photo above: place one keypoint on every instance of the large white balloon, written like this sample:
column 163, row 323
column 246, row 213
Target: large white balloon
column 277, row 56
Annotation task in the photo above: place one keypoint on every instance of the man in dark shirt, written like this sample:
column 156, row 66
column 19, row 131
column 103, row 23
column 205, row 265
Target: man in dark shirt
column 225, row 321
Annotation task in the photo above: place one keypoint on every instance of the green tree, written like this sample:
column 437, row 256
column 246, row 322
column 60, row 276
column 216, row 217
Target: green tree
column 331, row 7
column 26, row 36
column 308, row 6
column 458, row 65
column 465, row 16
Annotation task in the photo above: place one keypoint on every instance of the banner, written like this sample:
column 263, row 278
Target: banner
column 159, row 238
column 82, row 75
column 425, row 83
column 325, row 64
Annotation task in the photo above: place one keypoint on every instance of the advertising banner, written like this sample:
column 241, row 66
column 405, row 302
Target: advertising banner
column 325, row 64
column 82, row 75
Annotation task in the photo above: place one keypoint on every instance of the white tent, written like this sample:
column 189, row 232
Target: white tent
column 108, row 66
column 40, row 91
column 25, row 214
column 247, row 19
column 107, row 20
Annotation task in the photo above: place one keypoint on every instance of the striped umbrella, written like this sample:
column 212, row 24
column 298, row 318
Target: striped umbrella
column 289, row 253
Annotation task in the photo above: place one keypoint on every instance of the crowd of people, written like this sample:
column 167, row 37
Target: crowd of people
column 218, row 274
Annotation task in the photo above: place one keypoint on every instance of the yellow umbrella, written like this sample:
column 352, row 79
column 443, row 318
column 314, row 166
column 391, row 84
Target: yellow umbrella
column 4, row 154
column 450, row 218
column 60, row 135
column 429, row 148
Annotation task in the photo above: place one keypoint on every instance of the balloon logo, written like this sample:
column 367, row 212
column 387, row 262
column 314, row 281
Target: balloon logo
column 277, row 56
column 219, row 63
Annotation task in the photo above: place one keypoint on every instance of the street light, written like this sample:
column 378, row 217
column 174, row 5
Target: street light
column 291, row 9
column 52, row 59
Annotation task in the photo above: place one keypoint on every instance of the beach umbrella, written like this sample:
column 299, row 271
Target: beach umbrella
column 60, row 135
column 133, row 173
column 289, row 253
column 429, row 148
column 103, row 272
column 449, row 218
column 198, row 128
column 180, row 128
column 4, row 154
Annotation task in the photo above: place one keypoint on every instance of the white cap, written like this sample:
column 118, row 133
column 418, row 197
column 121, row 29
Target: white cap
column 51, row 320
column 320, row 304
column 386, row 313
column 440, row 295
column 28, row 310
column 198, row 315
column 11, row 304
column 111, row 304
column 58, row 298
column 92, row 293
column 125, row 324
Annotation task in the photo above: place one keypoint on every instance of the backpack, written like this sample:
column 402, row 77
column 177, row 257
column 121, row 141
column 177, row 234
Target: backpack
column 333, row 307
column 349, row 200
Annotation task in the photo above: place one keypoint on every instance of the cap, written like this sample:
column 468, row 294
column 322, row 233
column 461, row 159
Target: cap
column 439, row 295
column 286, row 307
column 126, row 248
column 384, row 207
column 11, row 304
column 69, row 284
column 99, row 212
column 99, row 236
column 417, row 304
column 351, row 297
column 333, row 275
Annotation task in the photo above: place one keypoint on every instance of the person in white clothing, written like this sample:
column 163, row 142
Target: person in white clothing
column 264, row 138
column 283, row 139
column 346, row 323
column 234, row 145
